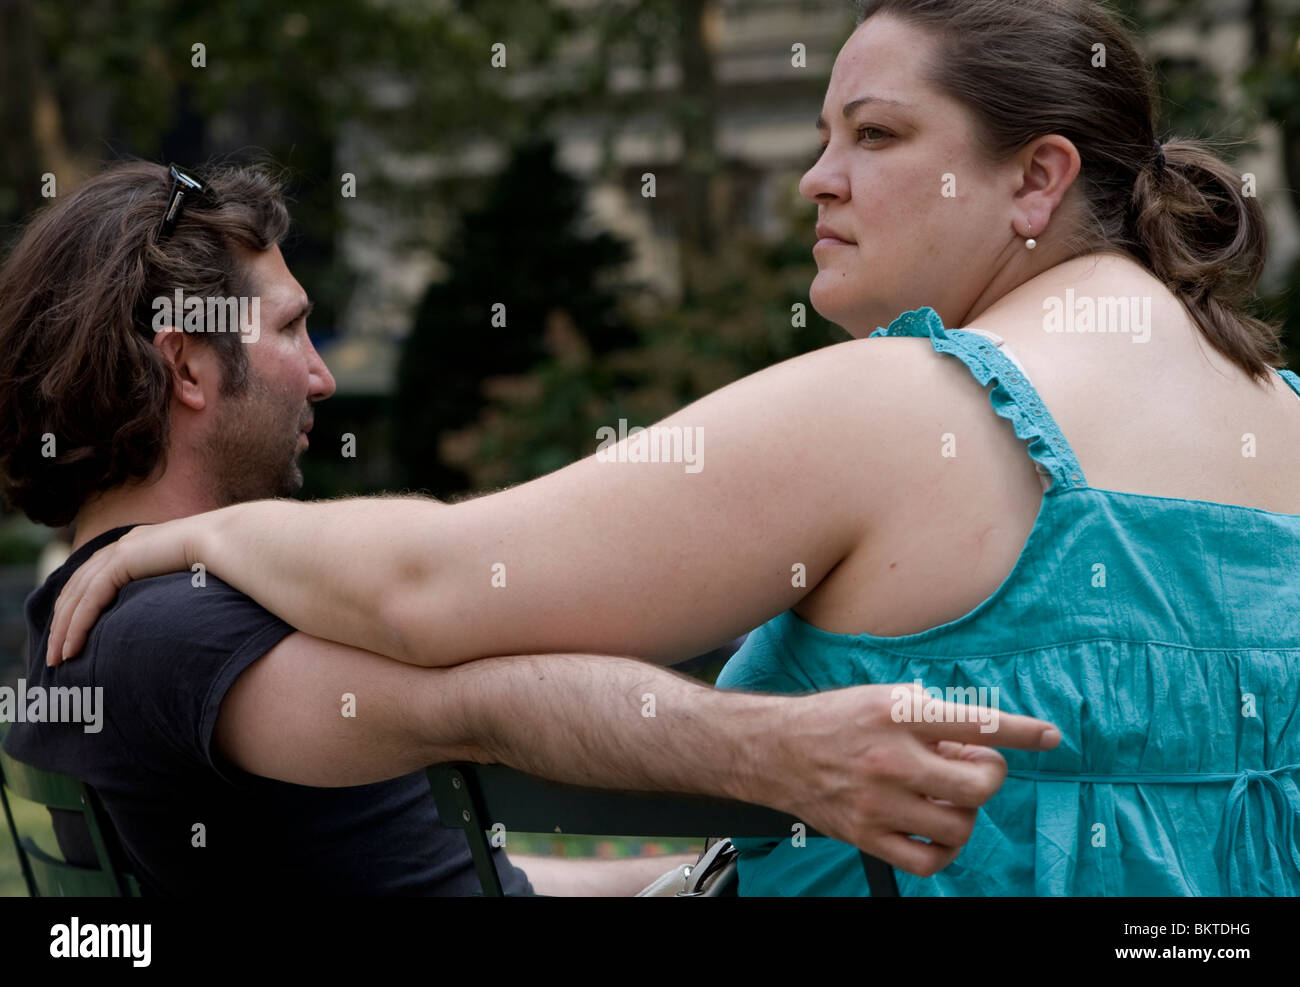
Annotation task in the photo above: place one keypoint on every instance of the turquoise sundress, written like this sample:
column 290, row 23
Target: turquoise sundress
column 1161, row 635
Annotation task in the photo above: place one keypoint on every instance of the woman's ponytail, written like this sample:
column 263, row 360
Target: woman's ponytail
column 1199, row 232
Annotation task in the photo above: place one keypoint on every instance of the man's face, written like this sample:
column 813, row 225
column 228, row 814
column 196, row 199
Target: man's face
column 255, row 436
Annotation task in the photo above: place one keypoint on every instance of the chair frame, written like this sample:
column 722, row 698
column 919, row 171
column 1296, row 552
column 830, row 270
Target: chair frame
column 470, row 797
column 476, row 797
column 47, row 876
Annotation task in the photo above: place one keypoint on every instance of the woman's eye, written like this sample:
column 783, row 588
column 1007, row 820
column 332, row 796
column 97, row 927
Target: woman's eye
column 873, row 134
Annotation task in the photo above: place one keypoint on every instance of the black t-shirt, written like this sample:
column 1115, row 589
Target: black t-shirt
column 165, row 653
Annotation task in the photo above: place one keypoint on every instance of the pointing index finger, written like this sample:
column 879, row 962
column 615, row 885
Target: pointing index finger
column 988, row 727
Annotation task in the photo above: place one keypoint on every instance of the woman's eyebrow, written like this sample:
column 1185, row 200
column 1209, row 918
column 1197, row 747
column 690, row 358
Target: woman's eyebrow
column 852, row 105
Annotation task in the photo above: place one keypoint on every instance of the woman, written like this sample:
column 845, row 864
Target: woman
column 985, row 166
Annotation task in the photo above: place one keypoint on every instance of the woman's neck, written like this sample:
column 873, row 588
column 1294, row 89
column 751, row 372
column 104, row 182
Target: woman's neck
column 1105, row 274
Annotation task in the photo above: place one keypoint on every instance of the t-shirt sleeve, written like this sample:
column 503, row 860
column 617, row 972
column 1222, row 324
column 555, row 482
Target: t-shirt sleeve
column 166, row 655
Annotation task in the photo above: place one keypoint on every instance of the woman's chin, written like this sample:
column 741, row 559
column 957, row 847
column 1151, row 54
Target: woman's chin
column 833, row 303
column 829, row 296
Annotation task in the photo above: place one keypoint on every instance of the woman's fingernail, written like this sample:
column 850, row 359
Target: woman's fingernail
column 1050, row 738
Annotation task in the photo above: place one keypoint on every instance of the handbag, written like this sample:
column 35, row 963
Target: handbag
column 713, row 875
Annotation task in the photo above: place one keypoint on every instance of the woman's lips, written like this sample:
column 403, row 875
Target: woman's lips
column 829, row 236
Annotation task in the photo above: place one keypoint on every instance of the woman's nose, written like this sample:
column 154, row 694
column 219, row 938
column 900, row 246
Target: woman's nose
column 825, row 180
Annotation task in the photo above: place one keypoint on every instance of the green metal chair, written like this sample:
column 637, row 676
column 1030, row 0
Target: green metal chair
column 472, row 797
column 476, row 797
column 47, row 876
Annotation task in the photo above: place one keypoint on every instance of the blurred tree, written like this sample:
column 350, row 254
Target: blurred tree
column 749, row 310
column 1273, row 82
column 1193, row 104
column 523, row 278
column 88, row 79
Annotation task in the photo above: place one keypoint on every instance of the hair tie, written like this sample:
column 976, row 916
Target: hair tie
column 1160, row 159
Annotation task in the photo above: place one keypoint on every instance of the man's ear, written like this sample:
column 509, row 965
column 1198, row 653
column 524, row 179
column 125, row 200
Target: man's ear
column 1048, row 168
column 196, row 371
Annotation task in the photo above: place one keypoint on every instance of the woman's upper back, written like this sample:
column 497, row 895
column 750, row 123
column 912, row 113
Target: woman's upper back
column 1161, row 635
column 1167, row 417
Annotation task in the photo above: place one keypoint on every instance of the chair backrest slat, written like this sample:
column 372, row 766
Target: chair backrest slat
column 60, row 879
column 54, row 791
column 47, row 876
column 525, row 803
column 478, row 797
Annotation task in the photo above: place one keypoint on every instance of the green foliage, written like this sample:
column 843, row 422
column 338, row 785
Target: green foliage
column 601, row 847
column 21, row 541
column 282, row 84
column 740, row 321
column 523, row 249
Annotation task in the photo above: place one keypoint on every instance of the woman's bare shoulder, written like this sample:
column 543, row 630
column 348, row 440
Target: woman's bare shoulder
column 885, row 398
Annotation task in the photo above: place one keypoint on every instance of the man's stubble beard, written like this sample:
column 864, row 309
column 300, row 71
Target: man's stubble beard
column 252, row 451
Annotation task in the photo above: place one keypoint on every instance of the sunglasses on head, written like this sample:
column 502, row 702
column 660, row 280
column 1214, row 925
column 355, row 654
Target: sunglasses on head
column 183, row 185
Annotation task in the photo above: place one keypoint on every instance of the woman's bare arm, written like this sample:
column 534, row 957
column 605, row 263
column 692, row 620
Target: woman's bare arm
column 660, row 559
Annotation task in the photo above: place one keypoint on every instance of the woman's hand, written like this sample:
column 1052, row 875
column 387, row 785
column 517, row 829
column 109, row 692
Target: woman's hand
column 149, row 550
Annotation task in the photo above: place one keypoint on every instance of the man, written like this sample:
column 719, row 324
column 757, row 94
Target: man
column 155, row 363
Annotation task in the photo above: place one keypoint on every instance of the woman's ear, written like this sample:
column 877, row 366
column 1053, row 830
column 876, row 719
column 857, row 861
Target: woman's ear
column 1048, row 167
column 196, row 372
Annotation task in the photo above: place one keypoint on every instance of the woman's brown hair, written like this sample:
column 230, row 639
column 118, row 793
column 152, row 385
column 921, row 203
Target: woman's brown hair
column 1029, row 68
column 77, row 361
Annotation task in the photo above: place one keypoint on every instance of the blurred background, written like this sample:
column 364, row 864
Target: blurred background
column 625, row 184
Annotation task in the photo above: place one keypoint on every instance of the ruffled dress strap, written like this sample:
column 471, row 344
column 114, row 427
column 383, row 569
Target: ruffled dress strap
column 1013, row 397
column 1291, row 379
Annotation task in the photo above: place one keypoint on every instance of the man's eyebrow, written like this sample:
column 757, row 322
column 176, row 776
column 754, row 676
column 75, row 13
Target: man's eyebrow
column 861, row 101
column 304, row 310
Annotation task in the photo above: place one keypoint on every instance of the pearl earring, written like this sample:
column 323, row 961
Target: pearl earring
column 1031, row 243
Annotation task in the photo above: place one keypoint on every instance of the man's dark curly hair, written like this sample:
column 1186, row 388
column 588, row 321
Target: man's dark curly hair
column 79, row 375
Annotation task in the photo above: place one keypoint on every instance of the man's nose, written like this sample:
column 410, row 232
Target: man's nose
column 321, row 381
